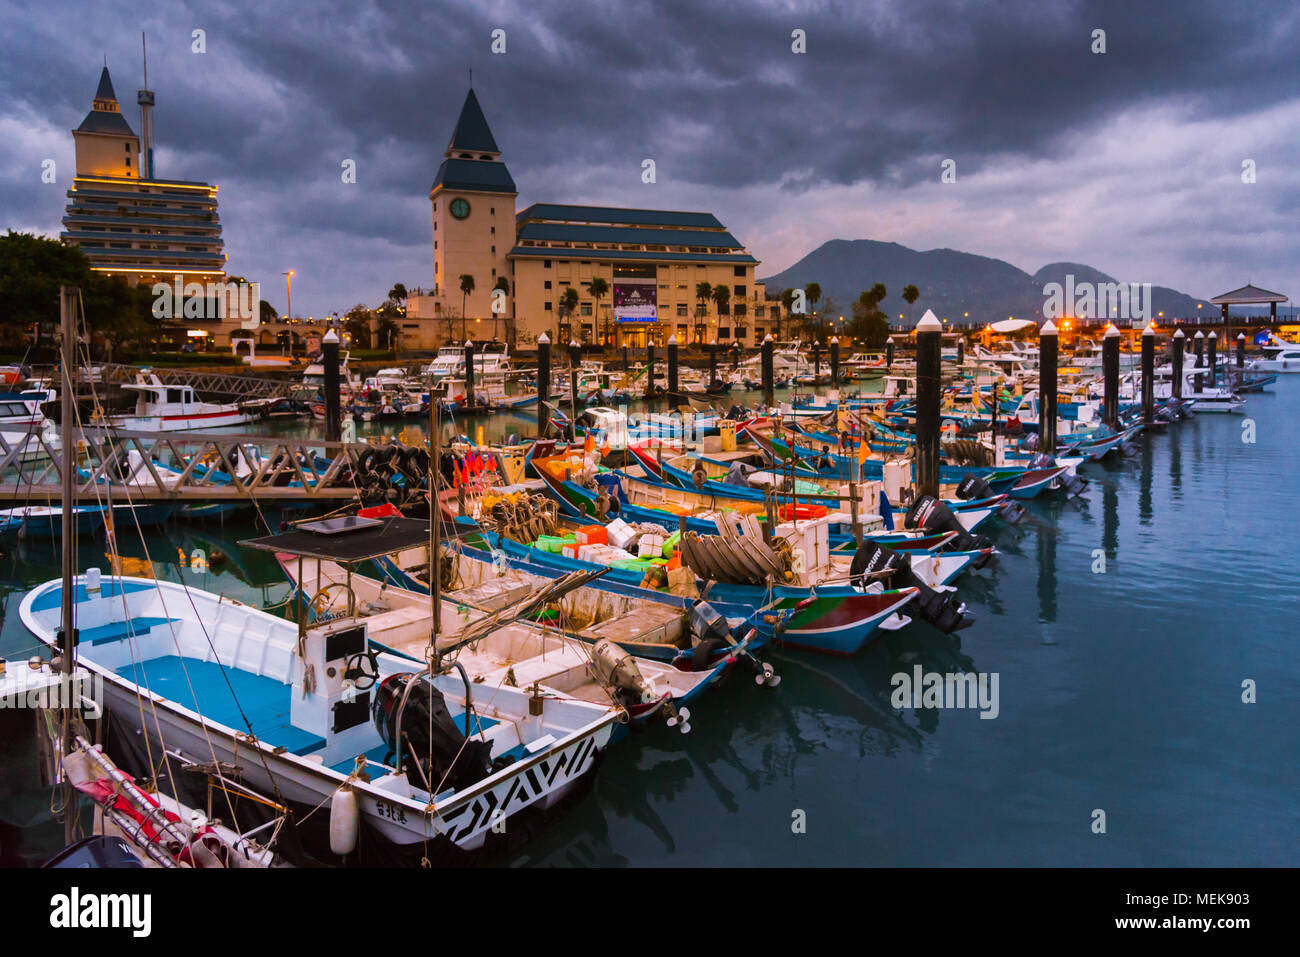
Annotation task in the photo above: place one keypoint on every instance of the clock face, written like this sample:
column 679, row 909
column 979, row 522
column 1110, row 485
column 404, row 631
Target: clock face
column 460, row 207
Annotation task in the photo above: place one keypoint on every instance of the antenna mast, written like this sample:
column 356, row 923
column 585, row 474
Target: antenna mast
column 145, row 98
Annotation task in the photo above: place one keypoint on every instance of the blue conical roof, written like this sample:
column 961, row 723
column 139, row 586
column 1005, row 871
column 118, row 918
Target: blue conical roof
column 471, row 134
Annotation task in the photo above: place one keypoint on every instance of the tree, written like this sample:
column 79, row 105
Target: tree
column 387, row 329
column 599, row 289
column 568, row 302
column 266, row 312
column 356, row 323
column 910, row 295
column 722, row 299
column 869, row 324
column 398, row 293
column 814, row 293
column 502, row 284
column 466, row 287
column 32, row 268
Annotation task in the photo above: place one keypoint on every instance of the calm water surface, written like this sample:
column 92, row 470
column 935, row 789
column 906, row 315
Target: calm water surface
column 1119, row 691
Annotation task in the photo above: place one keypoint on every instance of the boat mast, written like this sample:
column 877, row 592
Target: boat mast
column 435, row 529
column 67, row 644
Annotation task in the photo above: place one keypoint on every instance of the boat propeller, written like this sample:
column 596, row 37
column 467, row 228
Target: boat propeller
column 679, row 718
column 766, row 675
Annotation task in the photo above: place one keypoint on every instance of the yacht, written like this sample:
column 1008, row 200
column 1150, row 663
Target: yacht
column 1281, row 356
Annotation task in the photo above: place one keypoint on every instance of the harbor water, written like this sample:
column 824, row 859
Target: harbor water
column 1121, row 631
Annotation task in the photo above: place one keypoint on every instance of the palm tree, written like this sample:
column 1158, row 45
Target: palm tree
column 910, row 295
column 721, row 297
column 568, row 303
column 466, row 287
column 502, row 284
column 813, row 291
column 397, row 293
column 599, row 289
column 703, row 293
column 787, row 303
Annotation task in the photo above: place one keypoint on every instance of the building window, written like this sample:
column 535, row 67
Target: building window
column 492, row 211
column 681, row 332
column 494, row 230
column 546, row 306
column 127, row 146
column 681, row 309
column 546, row 264
column 758, row 333
column 740, row 332
column 738, row 291
column 759, row 311
column 740, row 308
column 724, row 332
column 546, row 284
column 585, row 309
column 494, row 249
column 128, row 161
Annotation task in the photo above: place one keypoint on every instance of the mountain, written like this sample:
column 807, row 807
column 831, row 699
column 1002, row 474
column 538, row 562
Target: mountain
column 951, row 282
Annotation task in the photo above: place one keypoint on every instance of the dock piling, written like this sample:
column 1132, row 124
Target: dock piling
column 1148, row 375
column 1110, row 375
column 1180, row 342
column 543, row 382
column 835, row 362
column 769, row 381
column 1048, row 360
column 330, row 359
column 929, row 384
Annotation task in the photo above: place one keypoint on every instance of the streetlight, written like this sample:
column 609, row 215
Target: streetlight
column 288, row 293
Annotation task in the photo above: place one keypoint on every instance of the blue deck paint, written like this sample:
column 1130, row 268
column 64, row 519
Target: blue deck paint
column 263, row 700
column 117, row 630
column 54, row 597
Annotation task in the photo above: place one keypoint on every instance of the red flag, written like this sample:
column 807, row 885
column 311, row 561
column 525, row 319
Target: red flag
column 604, row 449
column 590, row 445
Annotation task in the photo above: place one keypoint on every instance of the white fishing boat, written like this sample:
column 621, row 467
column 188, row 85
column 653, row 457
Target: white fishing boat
column 316, row 713
column 163, row 407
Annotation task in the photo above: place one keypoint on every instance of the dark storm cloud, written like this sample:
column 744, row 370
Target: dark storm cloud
column 711, row 91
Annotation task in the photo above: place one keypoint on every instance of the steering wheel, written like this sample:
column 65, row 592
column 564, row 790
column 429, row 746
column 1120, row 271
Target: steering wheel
column 353, row 670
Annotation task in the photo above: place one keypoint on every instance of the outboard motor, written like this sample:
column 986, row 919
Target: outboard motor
column 894, row 570
column 931, row 514
column 430, row 738
column 617, row 671
column 972, row 487
column 711, row 630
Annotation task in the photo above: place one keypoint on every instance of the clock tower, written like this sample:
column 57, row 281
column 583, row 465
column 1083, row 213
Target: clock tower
column 473, row 201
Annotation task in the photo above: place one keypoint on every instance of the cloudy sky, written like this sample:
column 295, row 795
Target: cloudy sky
column 1130, row 161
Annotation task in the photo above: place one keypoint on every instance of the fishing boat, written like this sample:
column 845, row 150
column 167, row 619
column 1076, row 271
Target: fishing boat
column 175, row 408
column 292, row 706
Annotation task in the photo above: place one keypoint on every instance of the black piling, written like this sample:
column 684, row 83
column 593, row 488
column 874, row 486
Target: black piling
column 1241, row 350
column 1212, row 358
column 469, row 373
column 817, row 360
column 673, row 393
column 1110, row 375
column 543, row 382
column 961, row 350
column 650, row 370
column 889, row 353
column 929, row 385
column 1177, row 357
column 330, row 359
column 1148, row 375
column 575, row 360
column 835, row 361
column 713, row 364
column 1048, row 360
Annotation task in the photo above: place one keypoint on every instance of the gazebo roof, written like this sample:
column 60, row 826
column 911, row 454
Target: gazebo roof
column 1248, row 294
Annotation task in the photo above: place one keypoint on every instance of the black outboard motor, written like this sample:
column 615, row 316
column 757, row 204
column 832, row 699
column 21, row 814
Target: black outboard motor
column 456, row 763
column 972, row 487
column 894, row 570
column 711, row 630
column 933, row 515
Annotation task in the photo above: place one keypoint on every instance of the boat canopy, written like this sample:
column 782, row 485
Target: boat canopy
column 349, row 546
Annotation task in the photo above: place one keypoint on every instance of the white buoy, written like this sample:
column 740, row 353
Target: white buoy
column 345, row 821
